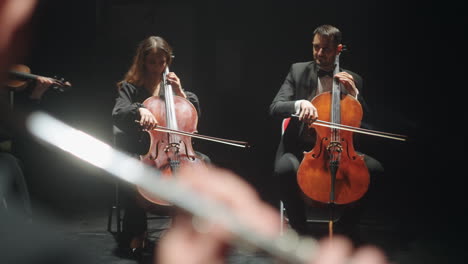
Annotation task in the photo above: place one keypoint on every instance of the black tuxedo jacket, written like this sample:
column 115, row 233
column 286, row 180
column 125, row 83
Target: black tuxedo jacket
column 301, row 83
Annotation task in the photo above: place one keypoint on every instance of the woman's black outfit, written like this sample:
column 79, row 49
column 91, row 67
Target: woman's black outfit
column 129, row 138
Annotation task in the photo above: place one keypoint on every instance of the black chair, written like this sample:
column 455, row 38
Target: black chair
column 314, row 215
column 115, row 209
column 115, row 214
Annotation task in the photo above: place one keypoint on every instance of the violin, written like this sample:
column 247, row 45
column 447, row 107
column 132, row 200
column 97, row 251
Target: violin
column 20, row 75
column 332, row 172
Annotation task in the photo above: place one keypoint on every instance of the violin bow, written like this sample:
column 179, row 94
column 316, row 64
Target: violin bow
column 370, row 132
column 241, row 144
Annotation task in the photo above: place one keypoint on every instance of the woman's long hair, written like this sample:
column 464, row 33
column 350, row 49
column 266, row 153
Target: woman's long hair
column 151, row 44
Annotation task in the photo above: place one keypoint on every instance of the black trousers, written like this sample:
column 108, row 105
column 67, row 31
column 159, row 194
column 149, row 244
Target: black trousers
column 286, row 167
column 134, row 222
column 13, row 188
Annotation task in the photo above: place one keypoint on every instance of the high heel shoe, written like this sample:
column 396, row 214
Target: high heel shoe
column 138, row 241
column 133, row 249
column 130, row 253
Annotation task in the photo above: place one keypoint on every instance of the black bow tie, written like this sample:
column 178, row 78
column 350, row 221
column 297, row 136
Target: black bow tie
column 322, row 73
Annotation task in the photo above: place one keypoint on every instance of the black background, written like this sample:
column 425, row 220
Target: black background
column 235, row 55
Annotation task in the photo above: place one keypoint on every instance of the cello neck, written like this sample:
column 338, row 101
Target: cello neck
column 335, row 104
column 169, row 99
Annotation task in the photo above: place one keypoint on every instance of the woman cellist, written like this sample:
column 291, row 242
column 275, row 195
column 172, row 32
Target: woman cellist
column 143, row 80
column 305, row 81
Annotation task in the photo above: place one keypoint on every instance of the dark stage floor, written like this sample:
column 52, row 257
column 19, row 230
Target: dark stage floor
column 402, row 242
column 90, row 229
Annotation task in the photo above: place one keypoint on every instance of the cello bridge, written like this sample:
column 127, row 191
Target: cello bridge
column 335, row 146
column 175, row 146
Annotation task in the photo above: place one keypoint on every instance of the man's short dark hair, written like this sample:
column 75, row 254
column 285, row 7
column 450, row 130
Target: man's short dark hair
column 329, row 31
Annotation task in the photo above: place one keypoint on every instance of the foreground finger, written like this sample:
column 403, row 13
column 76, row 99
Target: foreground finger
column 334, row 251
column 369, row 255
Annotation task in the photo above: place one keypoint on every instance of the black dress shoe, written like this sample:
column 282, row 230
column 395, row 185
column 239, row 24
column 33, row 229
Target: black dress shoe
column 149, row 246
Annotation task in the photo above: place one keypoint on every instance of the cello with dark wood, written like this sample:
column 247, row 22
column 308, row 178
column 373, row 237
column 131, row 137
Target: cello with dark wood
column 332, row 172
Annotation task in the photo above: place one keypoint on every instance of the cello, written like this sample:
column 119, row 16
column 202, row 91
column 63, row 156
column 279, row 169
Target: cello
column 332, row 172
column 168, row 151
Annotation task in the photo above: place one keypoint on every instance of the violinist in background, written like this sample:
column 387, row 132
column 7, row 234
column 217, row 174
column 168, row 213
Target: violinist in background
column 24, row 92
column 26, row 89
column 143, row 80
column 24, row 95
column 304, row 81
column 29, row 87
column 23, row 240
column 15, row 187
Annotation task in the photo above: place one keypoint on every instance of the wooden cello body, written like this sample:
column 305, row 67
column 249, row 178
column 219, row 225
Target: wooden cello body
column 169, row 151
column 332, row 172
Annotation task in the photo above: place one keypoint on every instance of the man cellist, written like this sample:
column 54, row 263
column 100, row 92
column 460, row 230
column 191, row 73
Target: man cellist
column 304, row 81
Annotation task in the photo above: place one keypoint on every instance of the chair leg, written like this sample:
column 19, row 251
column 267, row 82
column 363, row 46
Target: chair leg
column 115, row 209
column 281, row 217
column 109, row 219
column 118, row 220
